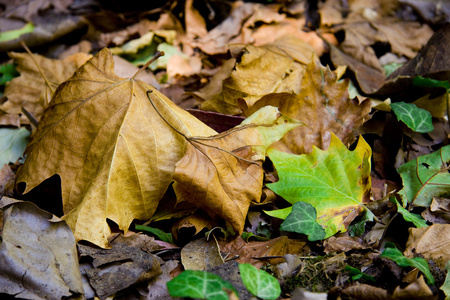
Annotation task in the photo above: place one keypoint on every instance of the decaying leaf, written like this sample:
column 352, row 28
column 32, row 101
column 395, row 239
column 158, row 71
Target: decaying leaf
column 428, row 242
column 336, row 182
column 120, row 267
column 323, row 105
column 201, row 254
column 25, row 90
column 113, row 151
column 38, row 256
column 222, row 175
column 272, row 68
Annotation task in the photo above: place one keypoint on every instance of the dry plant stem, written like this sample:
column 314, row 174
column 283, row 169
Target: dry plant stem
column 30, row 117
column 158, row 54
column 38, row 67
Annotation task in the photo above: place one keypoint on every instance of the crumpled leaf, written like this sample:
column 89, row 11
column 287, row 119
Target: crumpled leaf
column 12, row 144
column 323, row 105
column 426, row 177
column 114, row 153
column 25, row 90
column 428, row 242
column 336, row 182
column 38, row 256
column 278, row 67
column 125, row 264
column 201, row 255
column 222, row 175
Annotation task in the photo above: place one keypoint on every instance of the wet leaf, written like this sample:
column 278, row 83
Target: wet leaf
column 199, row 284
column 420, row 263
column 336, row 182
column 419, row 120
column 426, row 177
column 222, row 174
column 259, row 283
column 12, row 144
column 114, row 153
column 302, row 219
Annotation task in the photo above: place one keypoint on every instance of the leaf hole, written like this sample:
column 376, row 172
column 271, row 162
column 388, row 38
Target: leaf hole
column 426, row 165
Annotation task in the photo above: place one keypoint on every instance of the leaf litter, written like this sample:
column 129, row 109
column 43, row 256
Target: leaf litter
column 127, row 154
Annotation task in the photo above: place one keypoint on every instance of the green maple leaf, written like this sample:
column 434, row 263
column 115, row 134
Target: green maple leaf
column 335, row 182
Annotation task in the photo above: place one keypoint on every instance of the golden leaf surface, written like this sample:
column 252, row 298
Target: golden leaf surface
column 222, row 175
column 26, row 89
column 324, row 106
column 113, row 151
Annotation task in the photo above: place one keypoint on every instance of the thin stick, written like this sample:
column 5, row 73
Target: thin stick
column 158, row 54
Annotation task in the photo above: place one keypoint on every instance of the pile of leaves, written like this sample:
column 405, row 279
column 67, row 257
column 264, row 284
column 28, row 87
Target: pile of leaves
column 225, row 150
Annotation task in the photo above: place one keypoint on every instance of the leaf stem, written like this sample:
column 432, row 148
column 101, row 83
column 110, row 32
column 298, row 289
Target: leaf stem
column 158, row 54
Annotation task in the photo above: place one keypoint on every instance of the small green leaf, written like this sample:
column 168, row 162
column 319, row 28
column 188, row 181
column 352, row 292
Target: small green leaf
column 394, row 254
column 357, row 274
column 199, row 284
column 418, row 119
column 391, row 67
column 302, row 219
column 12, row 144
column 246, row 236
column 16, row 33
column 416, row 219
column 259, row 283
column 446, row 286
column 426, row 177
column 7, row 72
column 428, row 82
column 165, row 237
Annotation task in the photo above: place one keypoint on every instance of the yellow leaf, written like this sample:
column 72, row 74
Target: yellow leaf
column 223, row 174
column 26, row 89
column 114, row 153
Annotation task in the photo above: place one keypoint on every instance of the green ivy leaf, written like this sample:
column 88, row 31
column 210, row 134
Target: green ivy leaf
column 259, row 283
column 394, row 254
column 302, row 219
column 163, row 236
column 12, row 144
column 426, row 177
column 199, row 284
column 335, row 182
column 416, row 219
column 418, row 119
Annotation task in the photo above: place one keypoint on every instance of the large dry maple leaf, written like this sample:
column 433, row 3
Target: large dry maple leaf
column 113, row 151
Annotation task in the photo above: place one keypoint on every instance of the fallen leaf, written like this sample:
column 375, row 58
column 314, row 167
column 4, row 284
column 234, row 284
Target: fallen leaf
column 247, row 252
column 428, row 242
column 25, row 90
column 278, row 67
column 38, row 256
column 426, row 177
column 7, row 177
column 201, row 254
column 114, row 153
column 336, row 182
column 13, row 143
column 223, row 174
column 323, row 105
column 119, row 267
column 229, row 271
